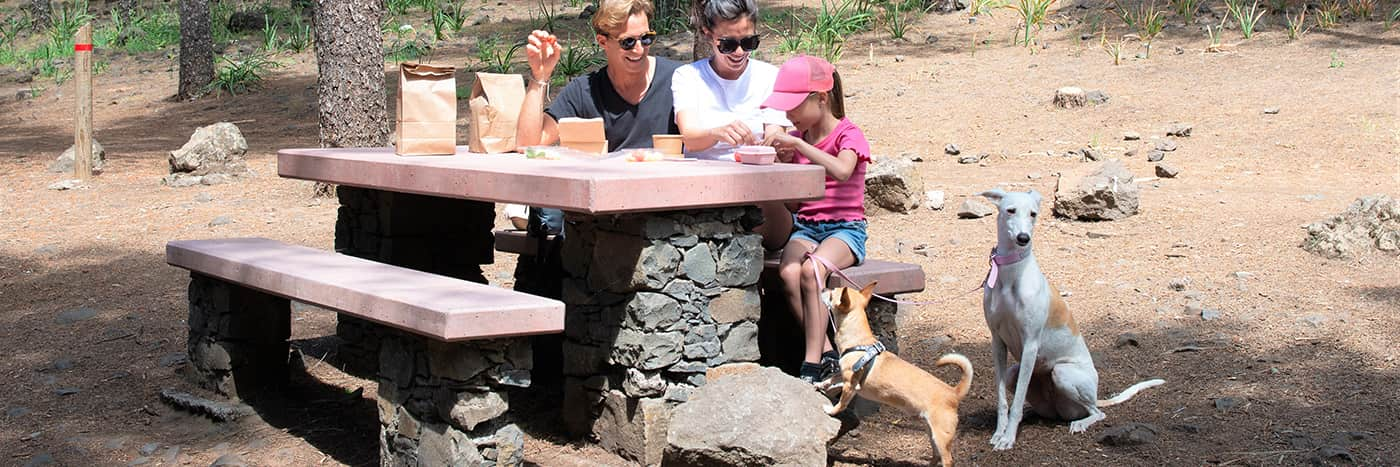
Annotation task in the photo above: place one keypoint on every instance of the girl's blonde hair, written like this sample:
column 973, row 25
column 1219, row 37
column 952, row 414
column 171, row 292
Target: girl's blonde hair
column 612, row 14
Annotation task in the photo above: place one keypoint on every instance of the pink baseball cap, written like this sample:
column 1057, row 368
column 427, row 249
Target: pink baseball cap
column 798, row 77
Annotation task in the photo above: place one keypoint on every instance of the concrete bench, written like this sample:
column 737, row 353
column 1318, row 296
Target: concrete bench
column 517, row 241
column 448, row 347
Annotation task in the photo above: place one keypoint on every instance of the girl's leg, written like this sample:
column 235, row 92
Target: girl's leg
column 790, row 271
column 776, row 226
column 816, row 317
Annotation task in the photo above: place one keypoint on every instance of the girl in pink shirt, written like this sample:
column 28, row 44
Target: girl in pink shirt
column 809, row 90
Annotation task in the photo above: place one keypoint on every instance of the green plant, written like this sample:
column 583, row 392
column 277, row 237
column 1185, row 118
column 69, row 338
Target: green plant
column 271, row 43
column 10, row 29
column 450, row 19
column 826, row 34
column 1391, row 19
column 1032, row 17
column 1329, row 14
column 67, row 20
column 1113, row 49
column 1186, row 8
column 983, row 7
column 548, row 18
column 1149, row 21
column 1214, row 35
column 299, row 37
column 399, row 7
column 1296, row 25
column 493, row 56
column 1247, row 19
column 1361, row 9
column 219, row 13
column 895, row 22
column 238, row 76
column 406, row 45
column 579, row 58
column 1336, row 61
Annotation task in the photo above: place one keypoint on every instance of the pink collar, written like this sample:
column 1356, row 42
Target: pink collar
column 1002, row 260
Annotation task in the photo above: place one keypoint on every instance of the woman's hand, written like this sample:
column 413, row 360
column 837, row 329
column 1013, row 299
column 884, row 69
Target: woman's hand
column 736, row 133
column 542, row 50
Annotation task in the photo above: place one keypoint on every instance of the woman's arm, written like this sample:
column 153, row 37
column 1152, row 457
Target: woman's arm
column 736, row 133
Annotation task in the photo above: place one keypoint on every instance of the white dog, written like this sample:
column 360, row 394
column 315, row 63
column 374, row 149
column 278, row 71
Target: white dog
column 1054, row 372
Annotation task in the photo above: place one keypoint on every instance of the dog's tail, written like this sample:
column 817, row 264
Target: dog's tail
column 1132, row 390
column 963, row 363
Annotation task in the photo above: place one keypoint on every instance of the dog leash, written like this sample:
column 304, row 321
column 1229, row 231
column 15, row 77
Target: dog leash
column 821, row 283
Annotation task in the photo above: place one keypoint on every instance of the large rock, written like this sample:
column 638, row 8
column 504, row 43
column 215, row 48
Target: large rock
column 894, row 185
column 1372, row 222
column 215, row 152
column 64, row 163
column 759, row 417
column 1104, row 192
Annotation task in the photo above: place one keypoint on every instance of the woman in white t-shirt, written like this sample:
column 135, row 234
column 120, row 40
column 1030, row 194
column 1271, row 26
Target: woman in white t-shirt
column 717, row 99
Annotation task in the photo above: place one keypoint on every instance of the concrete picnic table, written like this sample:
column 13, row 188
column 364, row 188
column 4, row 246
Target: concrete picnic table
column 661, row 269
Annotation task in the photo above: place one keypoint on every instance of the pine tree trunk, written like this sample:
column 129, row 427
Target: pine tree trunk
column 42, row 13
column 350, row 79
column 701, row 48
column 196, row 48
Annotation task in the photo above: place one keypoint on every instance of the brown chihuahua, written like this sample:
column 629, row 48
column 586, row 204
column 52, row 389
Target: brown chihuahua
column 867, row 369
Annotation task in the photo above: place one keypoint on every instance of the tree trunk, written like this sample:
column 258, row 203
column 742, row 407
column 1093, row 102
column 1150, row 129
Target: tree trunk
column 701, row 48
column 42, row 13
column 350, row 80
column 196, row 49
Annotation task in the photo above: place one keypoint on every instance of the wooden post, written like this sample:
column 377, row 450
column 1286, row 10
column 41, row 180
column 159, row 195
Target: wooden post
column 82, row 127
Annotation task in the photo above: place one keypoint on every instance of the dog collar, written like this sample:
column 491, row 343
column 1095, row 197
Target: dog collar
column 1002, row 260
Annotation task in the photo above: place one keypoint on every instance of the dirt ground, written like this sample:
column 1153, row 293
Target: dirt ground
column 1299, row 367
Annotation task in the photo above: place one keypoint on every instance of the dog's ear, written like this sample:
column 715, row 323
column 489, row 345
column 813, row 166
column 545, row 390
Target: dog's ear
column 994, row 194
column 1036, row 196
column 868, row 290
column 844, row 302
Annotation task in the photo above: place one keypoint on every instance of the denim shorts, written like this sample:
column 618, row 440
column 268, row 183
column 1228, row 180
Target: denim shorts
column 850, row 232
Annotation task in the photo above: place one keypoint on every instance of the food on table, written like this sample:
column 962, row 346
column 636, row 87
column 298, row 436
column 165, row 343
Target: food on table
column 755, row 155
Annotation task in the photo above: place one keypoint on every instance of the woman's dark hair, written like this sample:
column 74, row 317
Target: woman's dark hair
column 711, row 12
column 834, row 98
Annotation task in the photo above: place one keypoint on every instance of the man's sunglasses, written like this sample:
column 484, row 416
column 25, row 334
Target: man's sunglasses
column 727, row 45
column 627, row 43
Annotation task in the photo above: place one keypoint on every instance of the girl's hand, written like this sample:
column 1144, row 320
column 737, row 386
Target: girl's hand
column 542, row 51
column 780, row 140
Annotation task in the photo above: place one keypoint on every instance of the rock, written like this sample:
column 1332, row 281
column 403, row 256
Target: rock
column 952, row 149
column 1179, row 129
column 899, row 59
column 1033, row 176
column 1089, row 155
column 1314, row 320
column 214, row 149
column 1155, row 155
column 639, row 383
column 781, row 423
column 1179, row 284
column 1096, row 97
column 1271, row 111
column 588, row 11
column 933, row 199
column 216, row 410
column 974, row 209
column 1332, row 453
column 42, row 458
column 173, row 359
column 1165, row 145
column 894, row 185
column 1210, row 314
column 729, row 369
column 1131, row 136
column 467, row 409
column 1369, row 223
column 64, row 163
column 1102, row 192
column 741, row 343
column 1126, row 339
column 647, row 350
column 148, row 448
column 1186, row 428
column 969, row 159
column 1165, row 170
column 246, row 21
column 62, row 185
column 67, row 391
column 1129, row 434
column 75, row 315
column 221, row 220
column 1226, row 403
column 229, row 460
column 215, row 179
column 61, row 364
column 1069, row 97
column 203, row 198
column 930, row 39
column 699, row 264
column 734, row 305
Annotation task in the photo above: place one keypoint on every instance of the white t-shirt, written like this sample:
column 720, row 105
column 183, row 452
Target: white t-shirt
column 712, row 101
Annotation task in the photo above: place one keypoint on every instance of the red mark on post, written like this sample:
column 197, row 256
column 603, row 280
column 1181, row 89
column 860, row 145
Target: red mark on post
column 82, row 47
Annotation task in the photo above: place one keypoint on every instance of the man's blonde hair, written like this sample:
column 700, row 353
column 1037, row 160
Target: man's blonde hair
column 612, row 14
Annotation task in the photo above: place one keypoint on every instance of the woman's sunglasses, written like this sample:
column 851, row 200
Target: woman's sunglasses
column 727, row 45
column 627, row 43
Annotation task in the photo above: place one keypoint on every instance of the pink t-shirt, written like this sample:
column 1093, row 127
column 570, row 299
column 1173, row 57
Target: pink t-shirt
column 844, row 201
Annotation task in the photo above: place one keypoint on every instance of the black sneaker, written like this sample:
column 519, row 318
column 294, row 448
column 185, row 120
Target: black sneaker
column 812, row 373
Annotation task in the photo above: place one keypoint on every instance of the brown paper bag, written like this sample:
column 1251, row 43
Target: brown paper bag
column 427, row 112
column 495, row 107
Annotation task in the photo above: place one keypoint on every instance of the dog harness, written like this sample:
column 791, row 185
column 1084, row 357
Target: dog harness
column 863, row 366
column 1002, row 260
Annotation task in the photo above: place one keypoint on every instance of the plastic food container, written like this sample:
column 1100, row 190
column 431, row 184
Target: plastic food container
column 756, row 155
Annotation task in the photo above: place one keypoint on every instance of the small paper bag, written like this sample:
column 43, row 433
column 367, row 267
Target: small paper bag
column 426, row 120
column 583, row 134
column 495, row 107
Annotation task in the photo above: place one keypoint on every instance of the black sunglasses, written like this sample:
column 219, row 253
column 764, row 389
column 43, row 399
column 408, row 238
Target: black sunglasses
column 727, row 45
column 627, row 43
